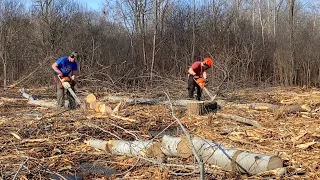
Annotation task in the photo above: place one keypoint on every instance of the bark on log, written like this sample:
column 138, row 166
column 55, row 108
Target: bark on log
column 210, row 152
column 144, row 148
column 254, row 106
column 267, row 107
column 37, row 102
column 195, row 108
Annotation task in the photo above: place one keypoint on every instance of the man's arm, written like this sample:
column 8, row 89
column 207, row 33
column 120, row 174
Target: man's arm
column 191, row 71
column 56, row 69
column 204, row 74
column 73, row 74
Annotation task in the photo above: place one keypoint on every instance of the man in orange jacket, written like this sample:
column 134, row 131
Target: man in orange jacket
column 197, row 70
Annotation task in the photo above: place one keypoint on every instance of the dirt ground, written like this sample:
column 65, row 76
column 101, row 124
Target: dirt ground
column 42, row 143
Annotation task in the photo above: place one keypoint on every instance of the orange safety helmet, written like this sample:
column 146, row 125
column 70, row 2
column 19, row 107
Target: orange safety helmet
column 208, row 61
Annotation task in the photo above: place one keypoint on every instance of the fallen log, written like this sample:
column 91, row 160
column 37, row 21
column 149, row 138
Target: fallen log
column 33, row 101
column 239, row 119
column 183, row 102
column 210, row 152
column 293, row 108
column 286, row 109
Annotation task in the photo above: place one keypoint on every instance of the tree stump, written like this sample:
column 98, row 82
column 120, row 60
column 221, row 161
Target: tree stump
column 195, row 108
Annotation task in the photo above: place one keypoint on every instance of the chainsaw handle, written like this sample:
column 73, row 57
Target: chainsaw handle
column 200, row 82
column 64, row 79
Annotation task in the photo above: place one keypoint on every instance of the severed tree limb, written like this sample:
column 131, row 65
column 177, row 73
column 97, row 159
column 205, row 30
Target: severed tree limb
column 239, row 119
column 20, row 167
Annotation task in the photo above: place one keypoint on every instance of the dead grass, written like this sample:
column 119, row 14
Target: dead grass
column 37, row 141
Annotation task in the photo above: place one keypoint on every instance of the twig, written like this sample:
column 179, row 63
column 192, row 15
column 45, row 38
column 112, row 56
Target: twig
column 163, row 130
column 130, row 168
column 20, row 167
column 53, row 115
column 189, row 139
column 92, row 125
column 47, row 171
column 125, row 130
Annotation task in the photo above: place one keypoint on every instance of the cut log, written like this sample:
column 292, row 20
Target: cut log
column 90, row 98
column 176, row 146
column 105, row 109
column 98, row 106
column 235, row 160
column 255, row 106
column 195, row 108
column 142, row 148
column 42, row 103
column 210, row 152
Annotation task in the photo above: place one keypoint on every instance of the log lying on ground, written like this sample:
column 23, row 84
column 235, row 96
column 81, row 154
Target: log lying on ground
column 239, row 119
column 33, row 101
column 144, row 148
column 183, row 102
column 255, row 106
column 211, row 153
column 267, row 107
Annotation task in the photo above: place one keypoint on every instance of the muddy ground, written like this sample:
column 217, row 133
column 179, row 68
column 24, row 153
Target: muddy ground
column 42, row 143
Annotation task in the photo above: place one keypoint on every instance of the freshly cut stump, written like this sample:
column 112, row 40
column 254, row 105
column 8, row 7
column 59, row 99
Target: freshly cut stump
column 195, row 108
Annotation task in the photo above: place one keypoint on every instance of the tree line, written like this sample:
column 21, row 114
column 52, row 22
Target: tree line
column 130, row 43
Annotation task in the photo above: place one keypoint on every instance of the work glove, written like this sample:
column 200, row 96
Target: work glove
column 206, row 81
column 73, row 77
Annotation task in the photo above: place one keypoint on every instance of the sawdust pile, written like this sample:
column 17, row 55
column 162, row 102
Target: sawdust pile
column 42, row 143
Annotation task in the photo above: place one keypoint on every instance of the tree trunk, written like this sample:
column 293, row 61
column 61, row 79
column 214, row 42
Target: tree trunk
column 195, row 108
column 210, row 152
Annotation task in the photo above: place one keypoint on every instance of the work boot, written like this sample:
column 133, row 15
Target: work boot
column 190, row 97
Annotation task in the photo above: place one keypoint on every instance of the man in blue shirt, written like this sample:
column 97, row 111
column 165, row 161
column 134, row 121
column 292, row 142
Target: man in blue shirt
column 65, row 66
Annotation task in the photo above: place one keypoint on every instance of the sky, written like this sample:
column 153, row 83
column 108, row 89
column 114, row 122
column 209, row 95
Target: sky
column 92, row 4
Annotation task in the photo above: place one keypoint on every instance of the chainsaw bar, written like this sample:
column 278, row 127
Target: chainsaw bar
column 67, row 86
column 201, row 83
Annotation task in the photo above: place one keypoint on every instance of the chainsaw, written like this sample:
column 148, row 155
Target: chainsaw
column 65, row 83
column 202, row 83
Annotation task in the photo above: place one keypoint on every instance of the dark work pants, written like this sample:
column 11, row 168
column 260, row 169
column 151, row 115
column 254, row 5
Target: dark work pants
column 61, row 97
column 191, row 87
